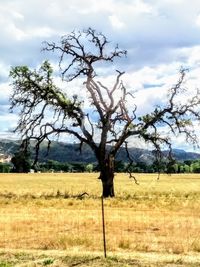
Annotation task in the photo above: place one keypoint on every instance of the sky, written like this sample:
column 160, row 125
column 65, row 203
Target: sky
column 161, row 36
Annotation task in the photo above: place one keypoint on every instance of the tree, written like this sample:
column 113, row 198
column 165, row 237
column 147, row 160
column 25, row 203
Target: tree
column 21, row 159
column 80, row 55
column 89, row 167
column 4, row 167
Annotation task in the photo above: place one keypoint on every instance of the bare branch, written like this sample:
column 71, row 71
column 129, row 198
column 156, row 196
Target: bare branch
column 37, row 97
column 82, row 59
column 130, row 164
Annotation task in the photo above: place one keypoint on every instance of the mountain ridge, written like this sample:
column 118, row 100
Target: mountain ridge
column 67, row 152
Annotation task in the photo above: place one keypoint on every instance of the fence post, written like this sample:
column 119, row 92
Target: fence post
column 103, row 226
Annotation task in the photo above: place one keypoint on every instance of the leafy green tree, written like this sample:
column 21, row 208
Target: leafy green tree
column 5, row 167
column 66, row 167
column 80, row 55
column 176, row 168
column 120, row 166
column 89, row 167
column 186, row 168
column 21, row 159
column 181, row 168
column 196, row 167
column 78, row 167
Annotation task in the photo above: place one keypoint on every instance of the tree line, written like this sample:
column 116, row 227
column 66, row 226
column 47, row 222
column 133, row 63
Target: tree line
column 188, row 166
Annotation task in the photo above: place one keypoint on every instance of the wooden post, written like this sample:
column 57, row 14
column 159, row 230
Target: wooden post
column 103, row 226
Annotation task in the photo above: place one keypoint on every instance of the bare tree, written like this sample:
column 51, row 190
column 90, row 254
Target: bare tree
column 80, row 53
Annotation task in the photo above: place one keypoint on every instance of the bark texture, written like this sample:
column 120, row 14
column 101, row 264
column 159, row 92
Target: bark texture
column 107, row 177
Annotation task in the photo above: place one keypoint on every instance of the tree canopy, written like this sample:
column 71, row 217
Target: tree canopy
column 80, row 54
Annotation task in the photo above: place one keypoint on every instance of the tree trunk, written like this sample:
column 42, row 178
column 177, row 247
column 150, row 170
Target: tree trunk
column 107, row 177
column 108, row 188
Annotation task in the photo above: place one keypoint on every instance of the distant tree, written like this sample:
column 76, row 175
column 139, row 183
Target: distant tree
column 5, row 167
column 186, row 168
column 176, row 168
column 188, row 162
column 66, row 167
column 78, row 166
column 53, row 165
column 81, row 55
column 89, row 167
column 21, row 159
column 120, row 166
column 181, row 168
column 196, row 167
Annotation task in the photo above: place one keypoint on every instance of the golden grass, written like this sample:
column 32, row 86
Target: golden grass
column 52, row 258
column 55, row 258
column 42, row 211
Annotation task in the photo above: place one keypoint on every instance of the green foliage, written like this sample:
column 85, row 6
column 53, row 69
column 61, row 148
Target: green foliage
column 56, row 166
column 89, row 167
column 21, row 159
column 5, row 264
column 120, row 166
column 38, row 86
column 48, row 262
column 21, row 162
column 5, row 167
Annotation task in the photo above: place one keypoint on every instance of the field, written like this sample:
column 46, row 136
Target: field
column 46, row 220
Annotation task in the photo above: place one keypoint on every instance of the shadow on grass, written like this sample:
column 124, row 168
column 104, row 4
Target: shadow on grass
column 84, row 261
column 109, row 261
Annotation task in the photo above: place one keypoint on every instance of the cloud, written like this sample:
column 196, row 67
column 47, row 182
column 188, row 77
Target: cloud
column 116, row 23
column 160, row 37
column 149, row 31
column 5, row 91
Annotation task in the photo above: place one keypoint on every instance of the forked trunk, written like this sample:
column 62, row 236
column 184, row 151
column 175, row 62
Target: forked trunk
column 107, row 177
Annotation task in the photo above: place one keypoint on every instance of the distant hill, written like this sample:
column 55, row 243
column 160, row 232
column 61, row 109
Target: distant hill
column 65, row 152
column 8, row 147
column 181, row 155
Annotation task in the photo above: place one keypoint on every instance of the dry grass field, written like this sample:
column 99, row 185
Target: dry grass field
column 155, row 222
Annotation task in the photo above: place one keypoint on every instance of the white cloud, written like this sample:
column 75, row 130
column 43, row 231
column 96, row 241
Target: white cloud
column 160, row 36
column 116, row 23
column 5, row 91
column 198, row 20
